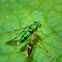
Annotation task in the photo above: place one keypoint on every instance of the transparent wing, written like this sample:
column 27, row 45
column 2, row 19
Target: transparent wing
column 16, row 30
column 18, row 35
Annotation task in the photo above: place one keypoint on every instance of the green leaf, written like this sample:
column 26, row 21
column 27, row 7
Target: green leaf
column 15, row 14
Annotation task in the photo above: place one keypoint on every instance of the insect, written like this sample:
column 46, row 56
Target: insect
column 32, row 29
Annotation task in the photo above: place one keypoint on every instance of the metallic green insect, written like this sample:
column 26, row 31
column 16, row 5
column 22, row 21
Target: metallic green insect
column 32, row 30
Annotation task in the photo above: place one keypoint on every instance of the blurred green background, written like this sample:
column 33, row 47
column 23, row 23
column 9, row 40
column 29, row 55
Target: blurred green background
column 15, row 14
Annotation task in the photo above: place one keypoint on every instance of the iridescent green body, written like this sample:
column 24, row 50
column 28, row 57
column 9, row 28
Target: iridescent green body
column 31, row 29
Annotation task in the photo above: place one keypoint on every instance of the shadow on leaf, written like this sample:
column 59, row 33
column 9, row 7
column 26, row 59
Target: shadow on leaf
column 23, row 48
column 12, row 42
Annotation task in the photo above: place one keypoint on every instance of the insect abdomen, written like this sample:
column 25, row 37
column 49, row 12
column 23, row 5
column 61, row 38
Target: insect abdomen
column 25, row 36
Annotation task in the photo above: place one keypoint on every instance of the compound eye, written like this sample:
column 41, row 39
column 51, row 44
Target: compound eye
column 30, row 30
column 39, row 25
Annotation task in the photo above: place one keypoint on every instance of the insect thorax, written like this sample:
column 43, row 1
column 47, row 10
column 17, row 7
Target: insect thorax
column 33, row 28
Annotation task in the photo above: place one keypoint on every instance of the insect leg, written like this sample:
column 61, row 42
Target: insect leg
column 41, row 42
column 43, row 45
column 43, row 33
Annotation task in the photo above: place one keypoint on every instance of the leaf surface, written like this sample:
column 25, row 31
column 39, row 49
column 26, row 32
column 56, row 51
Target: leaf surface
column 15, row 14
